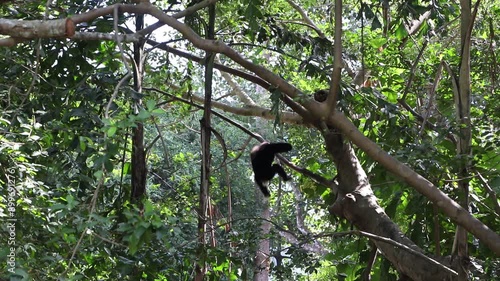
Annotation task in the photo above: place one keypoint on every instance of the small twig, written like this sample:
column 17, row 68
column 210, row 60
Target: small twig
column 371, row 261
column 394, row 243
column 491, row 192
column 115, row 93
column 413, row 70
column 431, row 95
column 307, row 21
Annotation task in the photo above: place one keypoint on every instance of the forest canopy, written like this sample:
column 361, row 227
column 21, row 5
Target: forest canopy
column 126, row 131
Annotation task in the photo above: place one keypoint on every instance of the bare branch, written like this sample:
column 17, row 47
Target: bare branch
column 31, row 29
column 236, row 89
column 99, row 36
column 308, row 22
column 491, row 193
column 257, row 111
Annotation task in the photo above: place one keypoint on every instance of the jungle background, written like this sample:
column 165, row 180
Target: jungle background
column 125, row 133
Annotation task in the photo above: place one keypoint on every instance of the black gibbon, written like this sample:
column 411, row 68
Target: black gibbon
column 262, row 157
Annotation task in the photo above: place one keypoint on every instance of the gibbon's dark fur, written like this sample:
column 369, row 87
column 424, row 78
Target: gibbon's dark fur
column 262, row 157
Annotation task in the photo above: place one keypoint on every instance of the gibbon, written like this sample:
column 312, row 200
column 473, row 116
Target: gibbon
column 262, row 157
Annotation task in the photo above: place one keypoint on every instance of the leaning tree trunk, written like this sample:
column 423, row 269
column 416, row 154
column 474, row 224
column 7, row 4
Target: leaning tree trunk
column 357, row 203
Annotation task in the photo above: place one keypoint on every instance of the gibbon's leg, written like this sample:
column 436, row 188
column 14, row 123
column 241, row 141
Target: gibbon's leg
column 278, row 169
column 263, row 187
column 262, row 175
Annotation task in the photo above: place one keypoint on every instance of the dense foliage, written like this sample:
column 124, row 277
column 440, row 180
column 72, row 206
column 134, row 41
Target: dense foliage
column 67, row 119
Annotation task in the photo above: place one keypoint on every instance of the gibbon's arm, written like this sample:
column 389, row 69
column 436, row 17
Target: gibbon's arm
column 273, row 148
column 268, row 150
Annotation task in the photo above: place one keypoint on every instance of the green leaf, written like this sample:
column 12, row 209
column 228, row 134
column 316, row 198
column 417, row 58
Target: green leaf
column 378, row 42
column 391, row 95
column 150, row 105
column 252, row 13
column 158, row 112
column 112, row 131
column 98, row 174
column 58, row 206
column 126, row 168
column 83, row 145
column 401, row 32
column 143, row 114
column 108, row 165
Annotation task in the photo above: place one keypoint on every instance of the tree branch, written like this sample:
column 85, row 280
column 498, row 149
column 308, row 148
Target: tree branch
column 307, row 21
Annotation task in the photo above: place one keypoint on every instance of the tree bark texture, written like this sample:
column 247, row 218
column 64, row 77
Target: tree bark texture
column 262, row 261
column 138, row 154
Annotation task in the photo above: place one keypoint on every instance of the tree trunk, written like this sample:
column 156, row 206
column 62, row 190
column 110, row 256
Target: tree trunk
column 138, row 154
column 462, row 107
column 262, row 257
column 206, row 129
column 357, row 203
